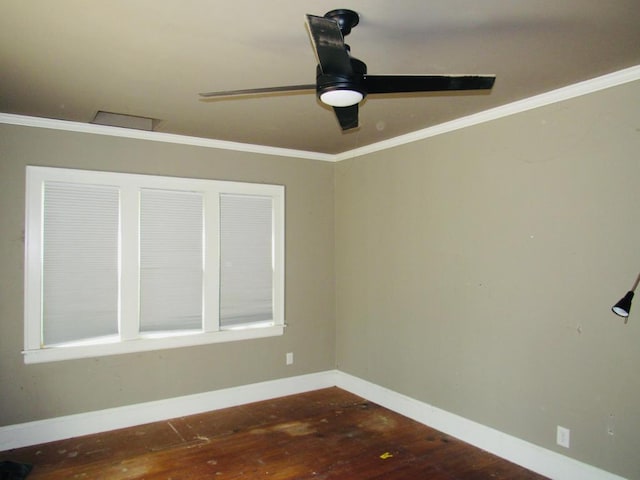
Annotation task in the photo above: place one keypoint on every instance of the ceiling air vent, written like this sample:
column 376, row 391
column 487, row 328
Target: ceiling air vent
column 124, row 121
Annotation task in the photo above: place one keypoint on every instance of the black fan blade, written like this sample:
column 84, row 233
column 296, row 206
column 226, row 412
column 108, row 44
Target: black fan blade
column 329, row 45
column 347, row 116
column 259, row 91
column 426, row 83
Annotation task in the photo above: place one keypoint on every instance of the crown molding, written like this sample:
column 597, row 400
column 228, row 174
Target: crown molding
column 554, row 96
column 54, row 124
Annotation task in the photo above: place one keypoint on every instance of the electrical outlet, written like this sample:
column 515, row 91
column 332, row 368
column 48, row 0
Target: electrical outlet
column 563, row 436
column 289, row 358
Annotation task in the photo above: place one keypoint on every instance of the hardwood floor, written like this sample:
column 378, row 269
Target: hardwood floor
column 325, row 434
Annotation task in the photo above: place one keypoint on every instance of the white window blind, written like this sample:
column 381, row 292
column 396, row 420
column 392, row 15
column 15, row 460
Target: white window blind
column 120, row 263
column 246, row 260
column 80, row 267
column 171, row 260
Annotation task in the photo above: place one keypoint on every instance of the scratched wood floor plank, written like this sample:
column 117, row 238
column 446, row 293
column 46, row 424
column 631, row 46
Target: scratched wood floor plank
column 323, row 435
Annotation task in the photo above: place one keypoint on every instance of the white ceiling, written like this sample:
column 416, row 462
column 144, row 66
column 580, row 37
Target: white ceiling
column 67, row 59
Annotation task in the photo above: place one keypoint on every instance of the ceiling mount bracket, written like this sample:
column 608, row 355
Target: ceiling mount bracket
column 346, row 19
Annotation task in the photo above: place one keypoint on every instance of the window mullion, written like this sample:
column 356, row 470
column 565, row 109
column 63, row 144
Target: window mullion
column 211, row 259
column 279, row 256
column 33, row 263
column 129, row 262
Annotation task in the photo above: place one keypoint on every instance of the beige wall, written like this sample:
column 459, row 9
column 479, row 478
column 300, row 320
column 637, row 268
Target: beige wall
column 31, row 392
column 476, row 270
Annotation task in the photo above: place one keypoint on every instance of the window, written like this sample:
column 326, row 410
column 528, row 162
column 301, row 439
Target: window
column 119, row 263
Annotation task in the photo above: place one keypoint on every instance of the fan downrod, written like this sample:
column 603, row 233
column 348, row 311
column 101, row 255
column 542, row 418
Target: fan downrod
column 346, row 19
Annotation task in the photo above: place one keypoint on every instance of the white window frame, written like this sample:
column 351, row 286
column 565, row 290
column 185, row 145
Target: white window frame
column 129, row 339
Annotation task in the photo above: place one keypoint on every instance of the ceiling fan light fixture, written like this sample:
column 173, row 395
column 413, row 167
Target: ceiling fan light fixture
column 342, row 97
column 342, row 81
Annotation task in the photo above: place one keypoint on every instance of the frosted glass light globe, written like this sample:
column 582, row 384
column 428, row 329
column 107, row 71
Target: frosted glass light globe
column 341, row 98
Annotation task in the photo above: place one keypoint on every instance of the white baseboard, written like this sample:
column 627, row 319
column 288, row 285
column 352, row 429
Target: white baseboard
column 528, row 455
column 59, row 428
column 535, row 458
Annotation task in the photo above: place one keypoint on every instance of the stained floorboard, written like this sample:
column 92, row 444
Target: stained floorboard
column 325, row 434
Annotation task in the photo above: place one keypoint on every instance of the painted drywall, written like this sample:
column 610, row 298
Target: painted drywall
column 475, row 271
column 38, row 391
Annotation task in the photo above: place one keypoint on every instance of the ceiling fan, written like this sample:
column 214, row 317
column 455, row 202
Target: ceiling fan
column 342, row 81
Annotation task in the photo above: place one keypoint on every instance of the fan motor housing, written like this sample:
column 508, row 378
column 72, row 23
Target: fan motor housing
column 326, row 82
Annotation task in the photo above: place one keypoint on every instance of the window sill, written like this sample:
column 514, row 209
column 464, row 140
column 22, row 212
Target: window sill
column 54, row 354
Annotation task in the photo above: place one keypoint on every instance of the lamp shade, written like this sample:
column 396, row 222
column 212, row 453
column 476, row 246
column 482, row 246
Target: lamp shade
column 624, row 305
